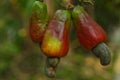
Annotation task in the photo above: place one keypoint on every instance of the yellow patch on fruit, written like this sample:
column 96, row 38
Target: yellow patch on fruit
column 51, row 45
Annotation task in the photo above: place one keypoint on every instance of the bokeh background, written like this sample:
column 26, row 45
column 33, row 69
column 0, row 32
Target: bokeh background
column 21, row 59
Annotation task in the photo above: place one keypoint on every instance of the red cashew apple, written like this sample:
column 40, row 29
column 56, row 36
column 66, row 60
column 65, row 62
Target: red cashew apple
column 55, row 43
column 38, row 21
column 91, row 35
column 56, row 38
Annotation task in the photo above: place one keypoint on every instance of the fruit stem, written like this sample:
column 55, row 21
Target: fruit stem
column 51, row 65
column 87, row 1
column 67, row 4
column 102, row 51
column 89, row 6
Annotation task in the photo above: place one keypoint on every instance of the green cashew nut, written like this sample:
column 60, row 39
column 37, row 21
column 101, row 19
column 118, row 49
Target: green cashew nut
column 102, row 51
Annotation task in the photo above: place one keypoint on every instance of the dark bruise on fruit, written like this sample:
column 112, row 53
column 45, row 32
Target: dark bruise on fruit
column 56, row 39
column 88, row 31
column 38, row 21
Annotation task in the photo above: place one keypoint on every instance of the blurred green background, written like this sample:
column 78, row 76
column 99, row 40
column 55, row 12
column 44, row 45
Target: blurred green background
column 21, row 59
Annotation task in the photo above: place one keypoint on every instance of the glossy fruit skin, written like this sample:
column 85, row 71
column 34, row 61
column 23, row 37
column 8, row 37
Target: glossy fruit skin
column 89, row 32
column 56, row 39
column 38, row 21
